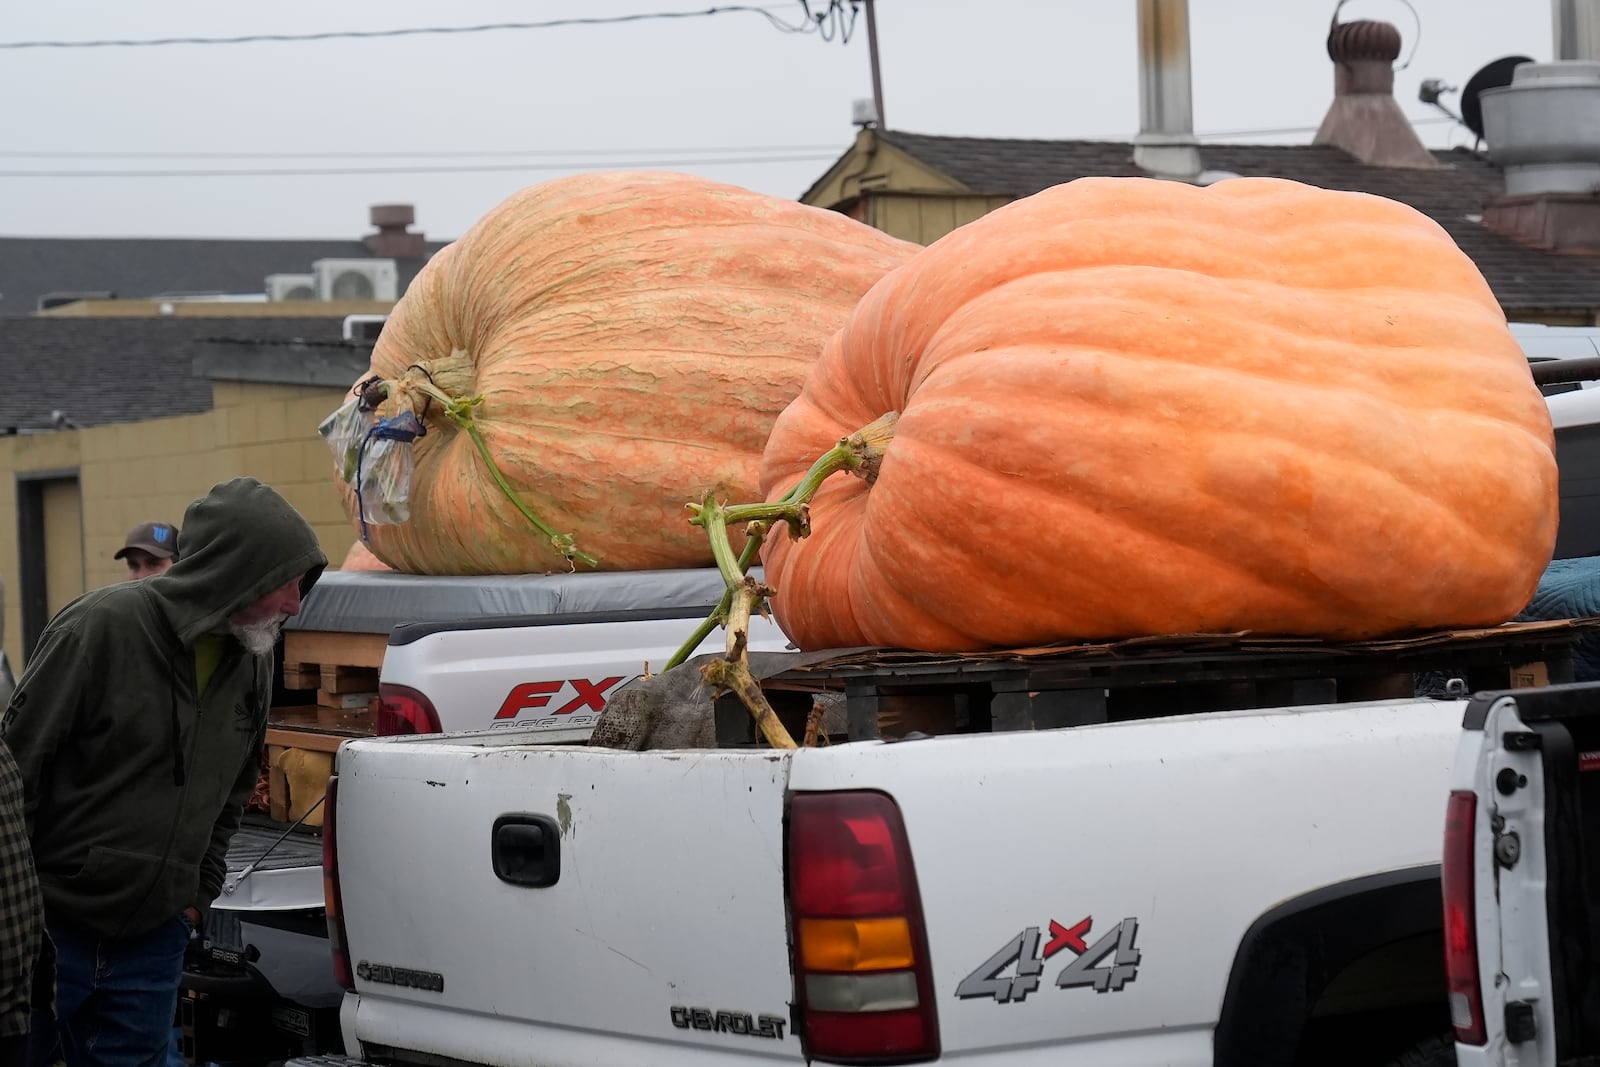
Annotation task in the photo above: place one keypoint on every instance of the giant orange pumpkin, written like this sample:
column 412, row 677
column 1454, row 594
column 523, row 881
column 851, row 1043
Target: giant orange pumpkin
column 633, row 336
column 1136, row 407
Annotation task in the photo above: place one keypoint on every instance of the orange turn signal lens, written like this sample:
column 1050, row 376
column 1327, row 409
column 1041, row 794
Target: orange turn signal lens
column 855, row 944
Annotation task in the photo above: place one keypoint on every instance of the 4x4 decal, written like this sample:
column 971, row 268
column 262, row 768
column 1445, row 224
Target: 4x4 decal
column 1107, row 965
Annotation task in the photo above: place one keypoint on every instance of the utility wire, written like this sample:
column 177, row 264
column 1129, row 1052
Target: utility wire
column 420, row 153
column 289, row 172
column 787, row 153
column 1425, row 120
column 414, row 31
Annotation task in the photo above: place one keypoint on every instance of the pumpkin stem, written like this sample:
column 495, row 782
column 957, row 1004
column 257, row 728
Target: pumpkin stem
column 814, row 722
column 459, row 410
column 860, row 453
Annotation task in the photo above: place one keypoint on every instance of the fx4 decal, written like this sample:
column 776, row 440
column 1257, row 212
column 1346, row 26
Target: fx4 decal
column 1107, row 965
column 530, row 695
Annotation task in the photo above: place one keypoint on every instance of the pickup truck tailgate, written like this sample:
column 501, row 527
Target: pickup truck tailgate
column 1079, row 886
column 1526, row 818
column 672, row 913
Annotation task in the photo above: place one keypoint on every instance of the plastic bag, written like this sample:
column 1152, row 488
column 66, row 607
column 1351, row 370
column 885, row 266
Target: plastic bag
column 384, row 469
column 344, row 430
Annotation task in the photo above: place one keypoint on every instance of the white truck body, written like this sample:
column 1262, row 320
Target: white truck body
column 665, row 910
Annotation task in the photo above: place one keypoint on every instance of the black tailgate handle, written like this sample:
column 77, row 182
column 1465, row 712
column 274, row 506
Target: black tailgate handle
column 526, row 850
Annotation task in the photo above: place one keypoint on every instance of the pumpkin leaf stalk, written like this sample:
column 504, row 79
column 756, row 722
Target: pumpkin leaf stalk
column 459, row 410
column 860, row 453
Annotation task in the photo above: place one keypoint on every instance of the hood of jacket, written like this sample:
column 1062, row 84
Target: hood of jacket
column 239, row 542
column 135, row 771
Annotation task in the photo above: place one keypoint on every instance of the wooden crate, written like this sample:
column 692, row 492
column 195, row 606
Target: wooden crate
column 891, row 693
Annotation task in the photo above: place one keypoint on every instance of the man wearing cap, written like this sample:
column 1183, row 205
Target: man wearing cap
column 137, row 730
column 150, row 549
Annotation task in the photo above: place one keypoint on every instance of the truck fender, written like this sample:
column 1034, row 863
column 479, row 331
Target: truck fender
column 1291, row 953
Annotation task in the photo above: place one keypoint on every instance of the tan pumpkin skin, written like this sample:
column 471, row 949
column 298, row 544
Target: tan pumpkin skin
column 633, row 336
column 1133, row 407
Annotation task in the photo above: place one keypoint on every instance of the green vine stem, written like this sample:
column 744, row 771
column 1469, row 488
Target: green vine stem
column 860, row 453
column 460, row 412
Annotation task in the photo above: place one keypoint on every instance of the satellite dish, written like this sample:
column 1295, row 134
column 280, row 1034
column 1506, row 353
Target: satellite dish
column 1490, row 76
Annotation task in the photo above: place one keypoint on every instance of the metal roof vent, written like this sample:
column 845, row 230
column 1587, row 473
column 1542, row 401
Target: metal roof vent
column 1544, row 128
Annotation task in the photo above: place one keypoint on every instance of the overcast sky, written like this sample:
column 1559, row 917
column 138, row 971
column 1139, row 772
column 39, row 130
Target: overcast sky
column 683, row 94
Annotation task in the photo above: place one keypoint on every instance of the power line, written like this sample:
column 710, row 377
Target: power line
column 743, row 154
column 288, row 172
column 497, row 153
column 413, row 31
column 563, row 153
column 1426, row 120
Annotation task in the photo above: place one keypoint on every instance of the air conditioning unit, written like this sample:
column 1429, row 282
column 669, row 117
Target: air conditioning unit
column 291, row 287
column 363, row 327
column 356, row 279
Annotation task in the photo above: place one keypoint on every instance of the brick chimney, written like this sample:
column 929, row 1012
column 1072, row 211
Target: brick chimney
column 1364, row 118
column 394, row 239
column 1544, row 131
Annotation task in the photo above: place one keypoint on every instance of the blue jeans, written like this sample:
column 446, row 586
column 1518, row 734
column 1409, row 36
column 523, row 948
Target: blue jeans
column 115, row 1000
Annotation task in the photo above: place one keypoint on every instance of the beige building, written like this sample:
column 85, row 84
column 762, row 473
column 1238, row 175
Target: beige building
column 181, row 405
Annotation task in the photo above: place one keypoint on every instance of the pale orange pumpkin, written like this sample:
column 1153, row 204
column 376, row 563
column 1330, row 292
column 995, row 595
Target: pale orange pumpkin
column 360, row 558
column 1136, row 407
column 632, row 335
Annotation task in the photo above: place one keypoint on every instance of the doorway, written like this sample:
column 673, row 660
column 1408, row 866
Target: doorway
column 49, row 548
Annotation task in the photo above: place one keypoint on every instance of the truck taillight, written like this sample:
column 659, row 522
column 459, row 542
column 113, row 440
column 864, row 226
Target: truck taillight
column 332, row 899
column 863, row 981
column 1460, row 919
column 403, row 710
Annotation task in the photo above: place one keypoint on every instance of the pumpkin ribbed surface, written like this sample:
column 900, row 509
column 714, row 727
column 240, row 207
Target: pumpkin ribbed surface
column 1134, row 407
column 633, row 336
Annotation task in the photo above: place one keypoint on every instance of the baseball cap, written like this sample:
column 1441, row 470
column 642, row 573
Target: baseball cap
column 160, row 539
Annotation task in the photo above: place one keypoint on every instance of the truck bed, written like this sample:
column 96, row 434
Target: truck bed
column 268, row 871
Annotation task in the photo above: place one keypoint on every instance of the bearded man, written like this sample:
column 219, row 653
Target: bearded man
column 137, row 728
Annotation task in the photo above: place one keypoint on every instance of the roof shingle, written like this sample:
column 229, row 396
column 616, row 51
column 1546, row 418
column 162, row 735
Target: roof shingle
column 1454, row 196
column 106, row 370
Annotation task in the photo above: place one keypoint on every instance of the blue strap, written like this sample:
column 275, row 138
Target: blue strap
column 404, row 428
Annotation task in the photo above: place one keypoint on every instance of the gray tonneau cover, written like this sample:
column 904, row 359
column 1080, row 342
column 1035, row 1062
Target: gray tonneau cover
column 377, row 601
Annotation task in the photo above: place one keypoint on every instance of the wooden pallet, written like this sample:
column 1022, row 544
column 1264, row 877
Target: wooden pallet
column 891, row 693
column 342, row 668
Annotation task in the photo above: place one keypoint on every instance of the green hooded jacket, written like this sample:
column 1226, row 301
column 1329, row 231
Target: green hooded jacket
column 134, row 782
